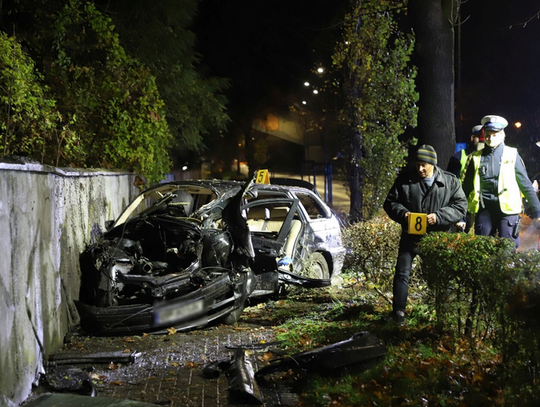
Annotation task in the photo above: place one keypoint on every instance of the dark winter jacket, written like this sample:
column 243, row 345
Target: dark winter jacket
column 445, row 199
column 489, row 169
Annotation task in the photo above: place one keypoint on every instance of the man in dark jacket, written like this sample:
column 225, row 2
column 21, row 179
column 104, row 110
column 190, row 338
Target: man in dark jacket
column 430, row 191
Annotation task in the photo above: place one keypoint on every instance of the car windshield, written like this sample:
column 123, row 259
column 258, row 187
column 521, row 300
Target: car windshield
column 188, row 199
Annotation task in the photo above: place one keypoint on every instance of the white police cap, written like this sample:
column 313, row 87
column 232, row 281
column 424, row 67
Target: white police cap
column 476, row 130
column 494, row 123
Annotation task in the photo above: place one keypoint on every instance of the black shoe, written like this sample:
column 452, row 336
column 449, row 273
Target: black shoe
column 398, row 317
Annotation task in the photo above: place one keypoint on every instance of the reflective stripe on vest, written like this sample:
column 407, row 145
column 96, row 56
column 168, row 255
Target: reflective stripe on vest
column 508, row 188
column 463, row 161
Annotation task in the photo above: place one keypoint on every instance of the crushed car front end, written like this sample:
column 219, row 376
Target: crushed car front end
column 160, row 270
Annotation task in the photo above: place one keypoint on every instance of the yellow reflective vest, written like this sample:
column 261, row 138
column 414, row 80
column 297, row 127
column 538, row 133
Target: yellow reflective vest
column 463, row 160
column 509, row 192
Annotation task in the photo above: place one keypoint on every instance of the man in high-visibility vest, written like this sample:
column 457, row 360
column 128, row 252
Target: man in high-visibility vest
column 457, row 162
column 494, row 181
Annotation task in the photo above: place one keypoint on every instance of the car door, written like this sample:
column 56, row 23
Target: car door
column 277, row 227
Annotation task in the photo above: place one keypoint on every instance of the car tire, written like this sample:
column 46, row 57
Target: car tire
column 319, row 267
column 233, row 316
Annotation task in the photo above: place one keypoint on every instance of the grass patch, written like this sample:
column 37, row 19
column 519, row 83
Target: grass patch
column 424, row 365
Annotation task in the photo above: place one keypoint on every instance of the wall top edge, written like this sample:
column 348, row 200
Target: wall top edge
column 63, row 172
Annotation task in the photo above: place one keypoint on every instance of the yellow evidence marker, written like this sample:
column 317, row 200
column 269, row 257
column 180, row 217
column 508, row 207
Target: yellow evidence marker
column 262, row 177
column 417, row 223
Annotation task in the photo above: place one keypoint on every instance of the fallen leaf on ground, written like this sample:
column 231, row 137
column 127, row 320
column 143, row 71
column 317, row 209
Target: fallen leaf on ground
column 117, row 383
column 266, row 357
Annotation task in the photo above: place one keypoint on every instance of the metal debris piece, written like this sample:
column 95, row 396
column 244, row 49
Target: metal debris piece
column 70, row 379
column 306, row 282
column 212, row 371
column 73, row 358
column 242, row 384
column 255, row 346
column 240, row 373
column 352, row 353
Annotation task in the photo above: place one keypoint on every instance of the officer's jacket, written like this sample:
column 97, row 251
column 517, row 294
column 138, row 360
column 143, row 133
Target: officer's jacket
column 458, row 161
column 503, row 187
column 445, row 198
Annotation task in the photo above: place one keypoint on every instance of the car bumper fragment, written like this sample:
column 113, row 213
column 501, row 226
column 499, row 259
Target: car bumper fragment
column 143, row 317
column 305, row 282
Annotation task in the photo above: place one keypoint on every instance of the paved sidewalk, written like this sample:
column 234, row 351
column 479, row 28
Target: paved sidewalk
column 72, row 400
column 169, row 370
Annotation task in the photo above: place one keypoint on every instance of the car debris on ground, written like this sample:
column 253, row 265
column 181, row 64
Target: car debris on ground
column 358, row 352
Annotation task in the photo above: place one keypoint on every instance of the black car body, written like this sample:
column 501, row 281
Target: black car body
column 187, row 253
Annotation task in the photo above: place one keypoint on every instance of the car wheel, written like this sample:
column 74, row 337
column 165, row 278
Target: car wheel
column 318, row 267
column 233, row 316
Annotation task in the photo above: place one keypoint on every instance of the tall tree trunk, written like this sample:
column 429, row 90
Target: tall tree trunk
column 356, row 176
column 355, row 141
column 433, row 23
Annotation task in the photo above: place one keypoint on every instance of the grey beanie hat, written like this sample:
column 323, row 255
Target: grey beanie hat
column 427, row 154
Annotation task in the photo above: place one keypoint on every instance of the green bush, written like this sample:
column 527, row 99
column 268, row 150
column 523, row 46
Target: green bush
column 513, row 292
column 372, row 247
column 29, row 121
column 484, row 289
column 112, row 98
column 453, row 265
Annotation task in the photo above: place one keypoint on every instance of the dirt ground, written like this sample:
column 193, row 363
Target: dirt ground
column 169, row 369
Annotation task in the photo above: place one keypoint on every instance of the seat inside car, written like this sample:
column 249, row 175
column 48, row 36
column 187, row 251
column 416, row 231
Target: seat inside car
column 257, row 218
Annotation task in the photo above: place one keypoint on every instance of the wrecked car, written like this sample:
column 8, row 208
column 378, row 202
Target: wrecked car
column 187, row 253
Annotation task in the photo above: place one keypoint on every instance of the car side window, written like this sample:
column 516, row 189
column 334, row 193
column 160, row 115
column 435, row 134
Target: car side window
column 313, row 208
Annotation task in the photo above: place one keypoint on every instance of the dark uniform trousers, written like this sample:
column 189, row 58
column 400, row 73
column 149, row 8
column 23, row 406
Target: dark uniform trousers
column 490, row 220
column 408, row 250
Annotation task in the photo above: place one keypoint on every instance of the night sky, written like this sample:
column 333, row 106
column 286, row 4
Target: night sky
column 500, row 70
column 270, row 43
column 265, row 47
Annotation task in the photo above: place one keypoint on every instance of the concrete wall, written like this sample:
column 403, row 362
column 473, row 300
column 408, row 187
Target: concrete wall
column 47, row 217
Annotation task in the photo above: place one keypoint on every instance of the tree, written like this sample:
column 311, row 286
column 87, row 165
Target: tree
column 112, row 113
column 433, row 23
column 111, row 97
column 28, row 119
column 123, row 101
column 158, row 34
column 380, row 91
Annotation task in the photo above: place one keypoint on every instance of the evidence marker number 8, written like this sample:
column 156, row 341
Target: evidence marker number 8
column 417, row 223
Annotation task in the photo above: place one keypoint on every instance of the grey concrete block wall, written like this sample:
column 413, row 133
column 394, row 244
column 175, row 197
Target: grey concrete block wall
column 47, row 217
